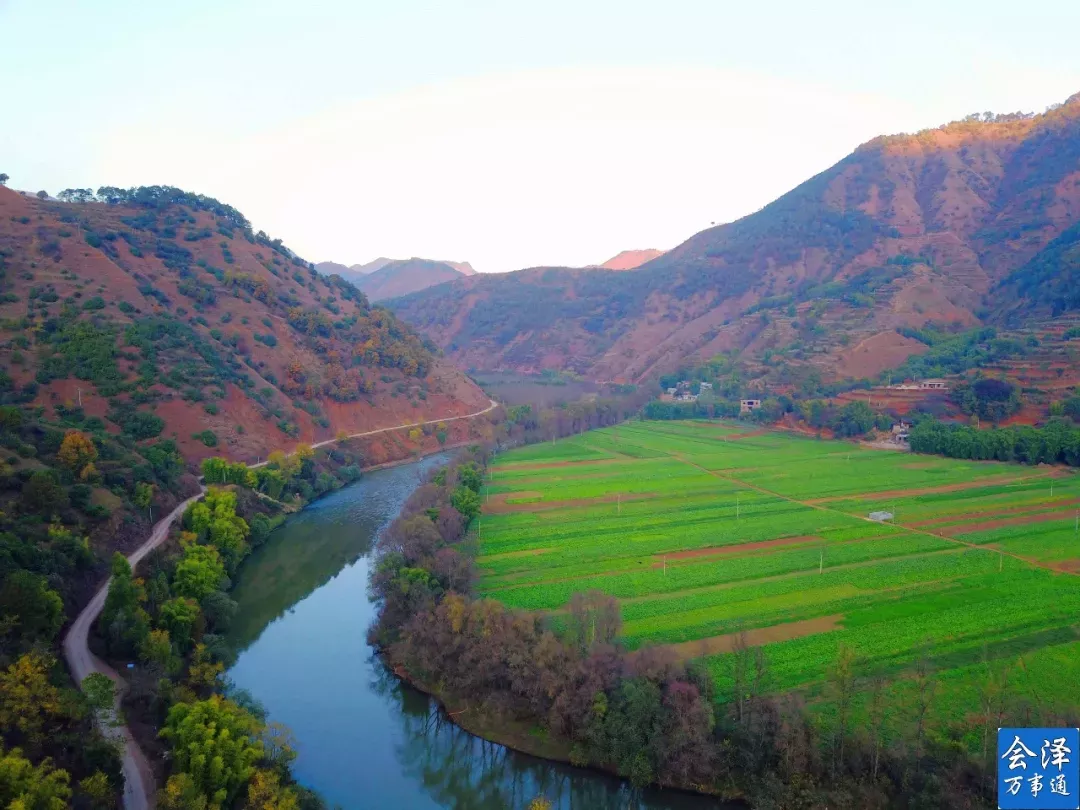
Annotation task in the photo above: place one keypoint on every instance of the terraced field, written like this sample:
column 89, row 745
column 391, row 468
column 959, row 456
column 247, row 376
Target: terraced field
column 706, row 530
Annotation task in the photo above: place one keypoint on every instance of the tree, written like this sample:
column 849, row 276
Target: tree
column 125, row 622
column 30, row 611
column 26, row 787
column 181, row 793
column 27, row 699
column 180, row 616
column 199, row 573
column 43, row 195
column 466, row 501
column 156, row 651
column 100, row 691
column 841, row 686
column 265, row 792
column 97, row 791
column 4, row 178
column 217, row 744
column 42, row 494
column 203, row 673
column 76, row 451
column 594, row 619
column 144, row 495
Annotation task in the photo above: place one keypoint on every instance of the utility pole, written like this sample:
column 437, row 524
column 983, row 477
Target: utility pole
column 79, row 392
column 821, row 560
column 1001, row 560
column 736, row 506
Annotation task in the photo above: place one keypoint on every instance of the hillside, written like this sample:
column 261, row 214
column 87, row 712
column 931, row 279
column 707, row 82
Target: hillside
column 397, row 278
column 160, row 313
column 906, row 231
column 631, row 259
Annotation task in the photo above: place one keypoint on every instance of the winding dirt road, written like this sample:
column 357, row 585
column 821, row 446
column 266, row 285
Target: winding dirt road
column 139, row 787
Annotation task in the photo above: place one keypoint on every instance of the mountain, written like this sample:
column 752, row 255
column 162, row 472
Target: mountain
column 464, row 268
column 955, row 226
column 385, row 278
column 404, row 276
column 349, row 273
column 162, row 313
column 631, row 259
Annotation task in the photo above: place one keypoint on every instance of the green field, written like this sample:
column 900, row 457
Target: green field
column 703, row 530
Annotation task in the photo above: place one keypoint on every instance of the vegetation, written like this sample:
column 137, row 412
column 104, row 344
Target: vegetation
column 752, row 554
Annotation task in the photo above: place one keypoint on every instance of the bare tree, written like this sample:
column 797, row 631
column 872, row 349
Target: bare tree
column 841, row 686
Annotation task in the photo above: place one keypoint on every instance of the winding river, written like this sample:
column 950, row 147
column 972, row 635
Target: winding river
column 365, row 740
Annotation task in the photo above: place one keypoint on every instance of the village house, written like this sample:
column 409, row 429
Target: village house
column 749, row 405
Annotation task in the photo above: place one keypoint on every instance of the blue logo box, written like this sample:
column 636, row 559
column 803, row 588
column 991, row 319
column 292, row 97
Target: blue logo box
column 1038, row 768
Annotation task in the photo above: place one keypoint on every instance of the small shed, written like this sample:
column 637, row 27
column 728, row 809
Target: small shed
column 881, row 516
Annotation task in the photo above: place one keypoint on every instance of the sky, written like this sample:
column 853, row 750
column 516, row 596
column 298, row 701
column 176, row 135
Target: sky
column 502, row 133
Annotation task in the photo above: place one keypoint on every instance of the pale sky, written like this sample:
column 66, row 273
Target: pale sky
column 501, row 133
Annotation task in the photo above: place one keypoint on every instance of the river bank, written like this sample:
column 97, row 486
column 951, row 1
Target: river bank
column 364, row 737
column 521, row 737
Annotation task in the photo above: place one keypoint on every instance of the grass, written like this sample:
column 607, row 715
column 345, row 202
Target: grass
column 703, row 529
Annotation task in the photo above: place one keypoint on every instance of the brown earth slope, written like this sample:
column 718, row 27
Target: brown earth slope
column 631, row 259
column 905, row 231
column 165, row 315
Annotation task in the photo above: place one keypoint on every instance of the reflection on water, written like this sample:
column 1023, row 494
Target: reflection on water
column 364, row 739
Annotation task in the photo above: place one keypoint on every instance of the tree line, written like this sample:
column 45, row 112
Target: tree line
column 1056, row 442
column 222, row 751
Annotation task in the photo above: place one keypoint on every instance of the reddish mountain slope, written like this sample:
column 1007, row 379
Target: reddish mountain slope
column 631, row 259
column 160, row 305
column 907, row 230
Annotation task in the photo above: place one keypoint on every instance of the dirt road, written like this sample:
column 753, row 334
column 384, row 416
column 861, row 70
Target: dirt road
column 138, row 777
column 139, row 787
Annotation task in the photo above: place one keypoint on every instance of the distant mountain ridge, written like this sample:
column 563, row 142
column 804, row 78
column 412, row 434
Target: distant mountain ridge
column 384, row 278
column 960, row 225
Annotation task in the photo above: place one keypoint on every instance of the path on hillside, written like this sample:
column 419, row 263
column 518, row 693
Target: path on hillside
column 139, row 787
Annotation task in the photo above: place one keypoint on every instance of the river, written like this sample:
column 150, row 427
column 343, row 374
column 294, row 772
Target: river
column 364, row 739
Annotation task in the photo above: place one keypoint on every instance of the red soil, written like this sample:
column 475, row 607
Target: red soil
column 755, row 638
column 719, row 551
column 497, row 504
column 967, row 528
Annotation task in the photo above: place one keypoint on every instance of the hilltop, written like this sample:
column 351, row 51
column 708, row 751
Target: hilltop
column 159, row 313
column 631, row 259
column 953, row 227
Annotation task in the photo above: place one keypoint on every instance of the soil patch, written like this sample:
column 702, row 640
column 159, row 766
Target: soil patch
column 1068, row 566
column 556, row 465
column 989, row 481
column 756, row 638
column 497, row 504
column 720, row 551
column 982, row 526
column 1015, row 510
column 510, row 555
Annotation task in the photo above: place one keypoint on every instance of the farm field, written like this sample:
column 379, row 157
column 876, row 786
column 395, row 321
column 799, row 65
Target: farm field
column 708, row 531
